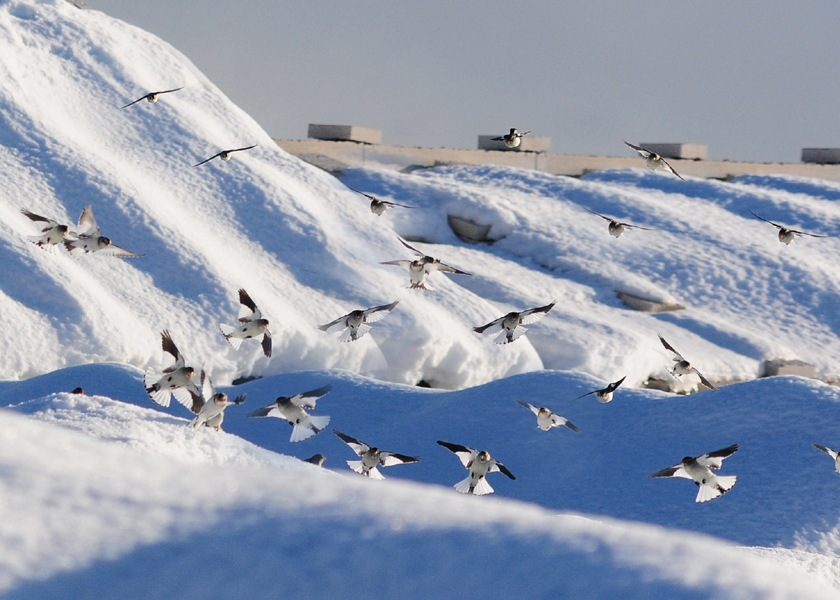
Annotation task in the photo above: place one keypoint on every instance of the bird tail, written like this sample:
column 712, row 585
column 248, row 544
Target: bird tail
column 471, row 486
column 505, row 338
column 309, row 427
column 715, row 488
column 348, row 336
column 356, row 465
column 158, row 396
column 227, row 331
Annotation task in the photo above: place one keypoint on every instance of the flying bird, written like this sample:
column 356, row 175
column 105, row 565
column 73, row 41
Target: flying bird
column 378, row 206
column 421, row 267
column 617, row 227
column 832, row 454
column 786, row 235
column 479, row 464
column 699, row 469
column 152, row 96
column 176, row 380
column 251, row 325
column 683, row 367
column 654, row 161
column 372, row 457
column 512, row 139
column 510, row 326
column 356, row 324
column 53, row 233
column 605, row 395
column 88, row 239
column 304, row 425
column 224, row 154
column 210, row 412
column 547, row 419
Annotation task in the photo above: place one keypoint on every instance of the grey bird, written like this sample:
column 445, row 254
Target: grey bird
column 210, row 412
column 479, row 464
column 293, row 409
column 152, row 96
column 510, row 326
column 372, row 457
column 378, row 206
column 225, row 154
column 357, row 323
column 605, row 395
column 654, row 161
column 787, row 235
column 176, row 380
column 683, row 367
column 616, row 227
column 251, row 325
column 547, row 419
column 88, row 239
column 421, row 267
column 833, row 454
column 512, row 139
column 698, row 468
column 53, row 233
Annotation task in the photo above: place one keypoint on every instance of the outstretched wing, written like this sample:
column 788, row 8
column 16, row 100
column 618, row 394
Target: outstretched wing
column 668, row 167
column 558, row 420
column 246, row 302
column 532, row 315
column 714, row 460
column 614, row 386
column 358, row 447
column 266, row 343
column 87, row 224
column 675, row 471
column 410, row 247
column 497, row 466
column 113, row 250
column 766, row 221
column 808, row 234
column 268, row 411
column 828, row 451
column 640, row 150
column 599, row 214
column 670, row 347
column 397, row 263
column 372, row 315
column 333, row 324
column 209, row 159
column 491, row 327
column 170, row 348
column 389, row 459
column 704, row 381
column 443, row 267
column 241, row 149
column 530, row 407
column 309, row 398
column 465, row 454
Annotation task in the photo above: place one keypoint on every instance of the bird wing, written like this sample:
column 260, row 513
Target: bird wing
column 241, row 149
column 170, row 348
column 443, row 267
column 372, row 315
column 389, row 459
column 246, row 303
column 766, row 221
column 269, row 411
column 629, row 226
column 266, row 343
column 491, row 327
column 240, row 399
column 532, row 315
column 669, row 347
column 332, row 325
column 189, row 396
column 614, row 386
column 410, row 247
column 670, row 168
column 169, row 91
column 143, row 97
column 704, row 381
column 588, row 394
column 358, row 447
column 309, row 398
column 828, row 451
column 806, row 233
column 675, row 471
column 497, row 466
column 465, row 454
column 87, row 224
column 558, row 420
column 49, row 222
column 114, row 250
column 642, row 151
column 398, row 263
column 209, row 159
column 714, row 460
column 530, row 407
column 598, row 214
column 208, row 390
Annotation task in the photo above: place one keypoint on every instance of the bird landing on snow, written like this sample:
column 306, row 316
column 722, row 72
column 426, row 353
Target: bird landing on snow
column 787, row 235
column 225, row 154
column 372, row 457
column 698, row 468
column 479, row 464
column 547, row 419
column 510, row 326
column 616, row 228
column 654, row 161
column 251, row 325
column 683, row 367
column 357, row 323
column 293, row 409
column 152, row 96
column 513, row 139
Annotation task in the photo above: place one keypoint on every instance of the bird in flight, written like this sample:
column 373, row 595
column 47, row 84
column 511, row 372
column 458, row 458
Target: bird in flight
column 225, row 154
column 617, row 227
column 251, row 325
column 88, row 239
column 786, row 235
column 547, row 419
column 510, row 326
column 683, row 367
column 421, row 267
column 293, row 409
column 356, row 323
column 699, row 469
column 654, row 161
column 378, row 206
column 512, row 139
column 372, row 457
column 605, row 395
column 479, row 464
column 53, row 233
column 152, row 96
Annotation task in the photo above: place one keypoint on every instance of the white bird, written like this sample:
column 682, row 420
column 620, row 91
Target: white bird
column 479, row 464
column 421, row 267
column 617, row 228
column 832, row 454
column 512, row 139
column 304, row 425
column 176, row 380
column 378, row 206
column 152, row 96
column 372, row 457
column 787, row 235
column 683, row 367
column 225, row 154
column 356, row 324
column 605, row 395
column 251, row 325
column 211, row 411
column 547, row 419
column 699, row 469
column 510, row 325
column 88, row 239
column 53, row 233
column 654, row 161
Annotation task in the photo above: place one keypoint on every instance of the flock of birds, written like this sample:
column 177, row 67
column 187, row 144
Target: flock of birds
column 208, row 406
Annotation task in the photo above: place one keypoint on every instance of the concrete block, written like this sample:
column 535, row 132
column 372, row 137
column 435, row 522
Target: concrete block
column 821, row 156
column 345, row 133
column 683, row 151
column 529, row 143
column 469, row 231
column 647, row 305
column 788, row 367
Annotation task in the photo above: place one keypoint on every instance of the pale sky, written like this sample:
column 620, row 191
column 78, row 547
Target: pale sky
column 755, row 80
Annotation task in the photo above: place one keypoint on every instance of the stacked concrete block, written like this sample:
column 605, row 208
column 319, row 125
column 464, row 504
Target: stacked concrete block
column 821, row 156
column 345, row 133
column 776, row 367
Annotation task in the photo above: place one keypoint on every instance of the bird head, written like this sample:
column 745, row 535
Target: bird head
column 103, row 241
column 220, row 399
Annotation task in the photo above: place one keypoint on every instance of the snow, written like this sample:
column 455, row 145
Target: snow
column 108, row 495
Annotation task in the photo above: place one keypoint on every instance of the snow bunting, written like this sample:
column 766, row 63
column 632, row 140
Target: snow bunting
column 699, row 469
column 605, row 395
column 225, row 154
column 510, row 326
column 479, row 464
column 512, row 139
column 176, row 380
column 378, row 206
column 304, row 425
column 252, row 325
column 654, row 161
column 211, row 411
column 372, row 457
column 617, row 228
column 152, row 96
column 547, row 419
column 356, row 323
column 683, row 367
column 316, row 459
column 786, row 235
column 87, row 239
column 421, row 267
column 53, row 233
column 832, row 454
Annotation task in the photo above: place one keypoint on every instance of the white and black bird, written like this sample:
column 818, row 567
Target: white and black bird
column 176, row 380
column 251, row 325
column 510, row 326
column 787, row 235
column 211, row 411
column 152, row 96
column 654, row 161
column 616, row 227
column 372, row 457
column 88, row 239
column 357, row 323
column 378, row 206
column 683, row 367
column 479, row 464
column 293, row 409
column 225, row 154
column 53, row 233
column 547, row 419
column 698, row 468
column 605, row 395
column 512, row 139
column 833, row 454
column 421, row 267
